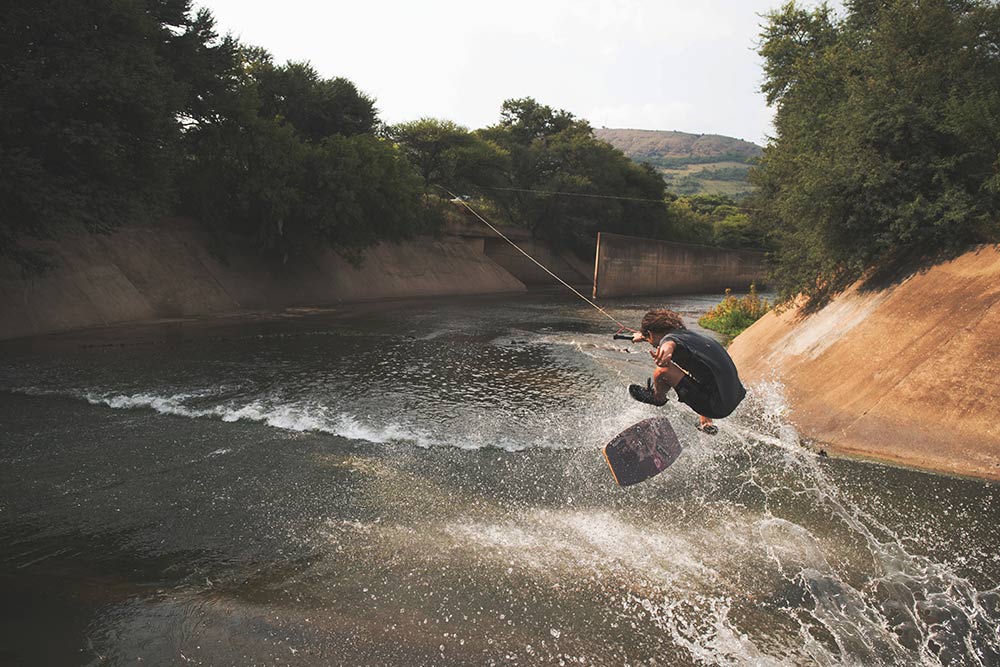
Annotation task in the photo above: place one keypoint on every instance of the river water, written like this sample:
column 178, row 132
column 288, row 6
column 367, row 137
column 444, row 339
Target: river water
column 422, row 484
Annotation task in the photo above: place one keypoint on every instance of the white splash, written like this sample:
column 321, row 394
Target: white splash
column 299, row 417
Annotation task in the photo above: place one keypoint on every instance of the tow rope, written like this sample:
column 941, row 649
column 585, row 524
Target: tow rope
column 622, row 327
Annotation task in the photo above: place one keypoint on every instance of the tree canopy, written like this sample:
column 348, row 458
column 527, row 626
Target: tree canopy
column 448, row 155
column 887, row 135
column 599, row 189
column 126, row 111
column 291, row 159
column 94, row 98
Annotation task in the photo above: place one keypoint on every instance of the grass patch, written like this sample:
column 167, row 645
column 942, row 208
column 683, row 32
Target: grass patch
column 734, row 314
column 714, row 178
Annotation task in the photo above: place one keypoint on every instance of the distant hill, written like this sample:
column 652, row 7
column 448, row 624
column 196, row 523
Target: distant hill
column 669, row 144
column 690, row 163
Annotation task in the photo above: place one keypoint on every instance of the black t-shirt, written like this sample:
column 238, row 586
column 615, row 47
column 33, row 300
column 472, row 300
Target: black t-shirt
column 709, row 364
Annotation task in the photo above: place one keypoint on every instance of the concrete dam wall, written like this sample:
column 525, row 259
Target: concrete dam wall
column 166, row 271
column 907, row 374
column 631, row 266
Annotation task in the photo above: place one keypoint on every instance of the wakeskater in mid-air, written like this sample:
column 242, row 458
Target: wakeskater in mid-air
column 693, row 365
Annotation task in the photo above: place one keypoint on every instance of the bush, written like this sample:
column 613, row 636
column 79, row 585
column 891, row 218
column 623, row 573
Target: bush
column 732, row 315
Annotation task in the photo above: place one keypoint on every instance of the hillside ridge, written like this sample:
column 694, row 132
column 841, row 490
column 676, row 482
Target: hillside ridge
column 691, row 164
column 638, row 143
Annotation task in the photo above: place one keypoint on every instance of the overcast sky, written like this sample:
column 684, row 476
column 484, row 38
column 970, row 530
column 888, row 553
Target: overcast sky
column 688, row 65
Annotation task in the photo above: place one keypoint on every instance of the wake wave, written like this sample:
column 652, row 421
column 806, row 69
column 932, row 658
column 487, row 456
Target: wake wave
column 297, row 416
column 789, row 549
column 477, row 430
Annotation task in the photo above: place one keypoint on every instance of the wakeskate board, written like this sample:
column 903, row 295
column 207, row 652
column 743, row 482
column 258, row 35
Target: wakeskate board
column 642, row 451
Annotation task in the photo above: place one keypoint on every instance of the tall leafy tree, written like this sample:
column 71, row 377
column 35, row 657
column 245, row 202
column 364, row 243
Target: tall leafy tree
column 446, row 154
column 599, row 189
column 95, row 97
column 316, row 107
column 293, row 160
column 887, row 135
column 360, row 191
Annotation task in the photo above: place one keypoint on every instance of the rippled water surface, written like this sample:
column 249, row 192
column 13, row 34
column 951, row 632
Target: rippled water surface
column 423, row 485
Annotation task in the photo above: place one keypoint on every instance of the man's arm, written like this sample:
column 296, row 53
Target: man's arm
column 663, row 354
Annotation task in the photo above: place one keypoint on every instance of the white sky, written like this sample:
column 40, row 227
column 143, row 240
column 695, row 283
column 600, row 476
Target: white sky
column 688, row 65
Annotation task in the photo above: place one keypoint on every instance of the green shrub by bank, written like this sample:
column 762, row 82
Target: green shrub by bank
column 734, row 314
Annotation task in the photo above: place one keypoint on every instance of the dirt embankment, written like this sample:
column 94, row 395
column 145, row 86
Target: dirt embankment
column 908, row 374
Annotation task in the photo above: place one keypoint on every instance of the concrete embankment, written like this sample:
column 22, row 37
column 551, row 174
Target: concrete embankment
column 564, row 264
column 166, row 271
column 908, row 374
column 631, row 266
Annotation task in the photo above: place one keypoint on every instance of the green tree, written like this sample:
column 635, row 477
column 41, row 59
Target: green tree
column 715, row 220
column 886, row 140
column 446, row 154
column 291, row 161
column 687, row 224
column 736, row 230
column 316, row 107
column 361, row 191
column 95, row 97
column 565, row 185
column 244, row 181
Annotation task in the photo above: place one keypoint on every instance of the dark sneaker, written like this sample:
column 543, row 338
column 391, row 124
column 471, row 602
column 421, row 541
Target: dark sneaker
column 645, row 394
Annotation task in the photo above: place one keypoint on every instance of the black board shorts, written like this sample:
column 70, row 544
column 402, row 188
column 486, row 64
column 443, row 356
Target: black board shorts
column 702, row 398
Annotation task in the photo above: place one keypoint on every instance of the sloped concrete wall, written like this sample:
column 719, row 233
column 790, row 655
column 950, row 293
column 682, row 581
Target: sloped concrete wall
column 908, row 374
column 166, row 271
column 563, row 264
column 632, row 266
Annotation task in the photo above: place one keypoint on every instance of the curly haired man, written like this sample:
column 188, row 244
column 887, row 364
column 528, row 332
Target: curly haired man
column 695, row 366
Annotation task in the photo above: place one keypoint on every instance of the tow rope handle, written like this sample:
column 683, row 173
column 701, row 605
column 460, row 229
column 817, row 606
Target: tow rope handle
column 620, row 335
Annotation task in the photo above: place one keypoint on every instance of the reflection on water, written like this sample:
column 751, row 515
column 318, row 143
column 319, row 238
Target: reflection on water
column 424, row 487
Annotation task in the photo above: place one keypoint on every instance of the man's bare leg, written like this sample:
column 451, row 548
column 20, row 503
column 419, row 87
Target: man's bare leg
column 667, row 377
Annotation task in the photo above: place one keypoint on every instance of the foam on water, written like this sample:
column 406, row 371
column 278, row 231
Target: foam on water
column 479, row 429
column 719, row 582
column 904, row 608
column 556, row 544
column 298, row 416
